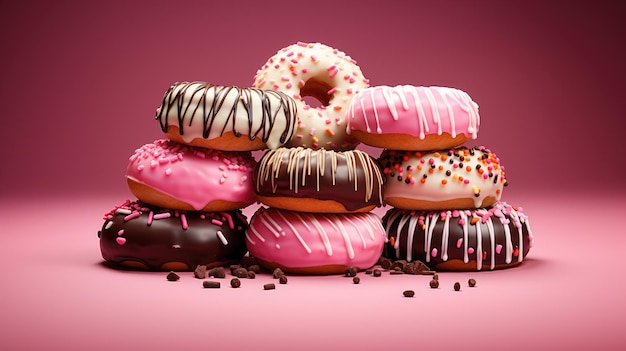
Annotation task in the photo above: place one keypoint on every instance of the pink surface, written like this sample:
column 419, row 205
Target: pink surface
column 81, row 82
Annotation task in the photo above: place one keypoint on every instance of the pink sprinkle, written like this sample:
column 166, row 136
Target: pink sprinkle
column 328, row 121
column 285, row 78
column 346, row 77
column 150, row 217
column 333, row 73
column 412, row 181
column 226, row 161
column 120, row 240
column 315, row 144
column 304, row 70
column 498, row 248
column 229, row 218
column 288, row 85
column 301, row 44
column 352, row 80
column 168, row 171
column 461, row 221
column 331, row 91
column 163, row 161
column 434, row 252
column 470, row 250
column 183, row 221
column 301, row 82
column 485, row 176
column 331, row 67
column 120, row 232
column 459, row 243
column 162, row 215
column 465, row 181
column 349, row 91
column 217, row 222
column 312, row 132
column 293, row 60
column 431, row 161
column 275, row 86
column 314, row 58
column 131, row 216
column 140, row 168
column 455, row 213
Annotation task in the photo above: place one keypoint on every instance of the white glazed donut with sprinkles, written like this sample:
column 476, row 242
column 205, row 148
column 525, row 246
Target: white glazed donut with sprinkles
column 321, row 72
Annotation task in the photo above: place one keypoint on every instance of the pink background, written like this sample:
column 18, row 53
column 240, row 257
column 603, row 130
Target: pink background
column 80, row 82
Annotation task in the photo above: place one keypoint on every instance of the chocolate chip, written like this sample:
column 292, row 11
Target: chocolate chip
column 408, row 293
column 269, row 286
column 368, row 271
column 200, row 272
column 282, row 279
column 219, row 272
column 434, row 283
column 251, row 275
column 241, row 272
column 209, row 284
column 277, row 273
column 172, row 276
column 385, row 263
column 436, row 276
column 356, row 280
column 211, row 272
column 377, row 273
column 254, row 268
column 471, row 282
column 457, row 286
column 233, row 268
column 235, row 283
column 351, row 271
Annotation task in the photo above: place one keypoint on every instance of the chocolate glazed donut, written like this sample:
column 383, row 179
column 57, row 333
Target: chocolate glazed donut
column 308, row 180
column 137, row 235
column 459, row 240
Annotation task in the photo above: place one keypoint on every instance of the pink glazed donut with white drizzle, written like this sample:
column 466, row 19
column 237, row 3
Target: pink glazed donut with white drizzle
column 321, row 72
column 412, row 118
column 315, row 243
column 171, row 175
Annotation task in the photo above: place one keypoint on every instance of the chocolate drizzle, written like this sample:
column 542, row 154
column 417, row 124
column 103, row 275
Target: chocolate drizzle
column 222, row 108
column 352, row 178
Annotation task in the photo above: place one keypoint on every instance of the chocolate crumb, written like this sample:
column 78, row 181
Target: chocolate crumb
column 377, row 273
column 269, row 286
column 410, row 268
column 457, row 286
column 235, row 283
column 356, row 280
column 211, row 272
column 219, row 272
column 434, row 283
column 172, row 276
column 241, row 272
column 254, row 268
column 251, row 275
column 385, row 263
column 436, row 276
column 408, row 293
column 247, row 261
column 396, row 272
column 428, row 272
column 471, row 282
column 233, row 268
column 351, row 271
column 368, row 271
column 200, row 272
column 420, row 266
column 282, row 279
column 209, row 284
column 277, row 273
column 399, row 264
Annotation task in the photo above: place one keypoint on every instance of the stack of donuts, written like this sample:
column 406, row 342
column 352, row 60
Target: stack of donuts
column 318, row 189
column 192, row 184
column 446, row 198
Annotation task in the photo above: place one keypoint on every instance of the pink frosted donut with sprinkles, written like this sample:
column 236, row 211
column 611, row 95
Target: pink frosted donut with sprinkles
column 141, row 236
column 314, row 243
column 325, row 74
column 458, row 178
column 459, row 240
column 176, row 176
column 406, row 117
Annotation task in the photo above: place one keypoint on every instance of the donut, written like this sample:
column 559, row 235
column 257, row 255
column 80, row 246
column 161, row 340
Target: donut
column 459, row 240
column 314, row 243
column 308, row 180
column 141, row 236
column 320, row 72
column 168, row 174
column 459, row 178
column 226, row 117
column 406, row 117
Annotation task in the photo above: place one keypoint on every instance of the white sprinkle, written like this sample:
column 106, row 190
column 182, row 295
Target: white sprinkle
column 123, row 211
column 222, row 237
column 108, row 225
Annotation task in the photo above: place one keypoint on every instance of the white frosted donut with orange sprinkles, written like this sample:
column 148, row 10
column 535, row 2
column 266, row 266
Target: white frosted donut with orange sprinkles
column 321, row 72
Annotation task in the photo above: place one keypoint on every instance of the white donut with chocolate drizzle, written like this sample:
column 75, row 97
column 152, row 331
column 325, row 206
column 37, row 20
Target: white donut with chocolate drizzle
column 314, row 243
column 202, row 114
column 321, row 72
column 460, row 240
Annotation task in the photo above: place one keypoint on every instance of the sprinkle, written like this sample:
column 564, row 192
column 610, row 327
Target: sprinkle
column 459, row 243
column 150, row 217
column 331, row 91
column 333, row 73
column 183, row 221
column 120, row 240
column 108, row 225
column 498, row 248
column 123, row 211
column 330, row 132
column 434, row 252
column 162, row 215
column 217, row 222
column 229, row 218
column 470, row 250
column 168, row 171
column 222, row 238
column 269, row 286
column 135, row 214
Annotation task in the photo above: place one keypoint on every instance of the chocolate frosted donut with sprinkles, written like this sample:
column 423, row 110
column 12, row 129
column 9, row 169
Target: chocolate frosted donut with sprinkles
column 308, row 180
column 459, row 240
column 140, row 236
column 226, row 117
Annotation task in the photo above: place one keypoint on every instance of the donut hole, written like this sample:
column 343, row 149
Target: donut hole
column 314, row 93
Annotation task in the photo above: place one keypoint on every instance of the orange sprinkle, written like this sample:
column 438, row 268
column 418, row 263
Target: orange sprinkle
column 516, row 252
column 481, row 171
column 419, row 167
column 444, row 157
column 392, row 241
column 444, row 181
column 409, row 176
column 468, row 168
column 431, row 171
column 466, row 152
column 337, row 108
column 497, row 191
column 330, row 131
column 441, row 168
column 396, row 166
column 460, row 179
column 423, row 180
column 436, row 154
column 405, row 158
column 474, row 220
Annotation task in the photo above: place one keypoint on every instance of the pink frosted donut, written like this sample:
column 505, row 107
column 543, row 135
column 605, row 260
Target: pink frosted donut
column 321, row 72
column 315, row 243
column 406, row 117
column 175, row 176
column 459, row 178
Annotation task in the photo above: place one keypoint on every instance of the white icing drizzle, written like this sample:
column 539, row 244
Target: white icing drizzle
column 445, row 236
column 295, row 233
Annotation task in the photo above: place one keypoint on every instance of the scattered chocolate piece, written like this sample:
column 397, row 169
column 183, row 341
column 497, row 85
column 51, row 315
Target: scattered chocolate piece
column 399, row 264
column 420, row 266
column 385, row 263
column 200, row 272
column 277, row 273
column 471, row 282
column 377, row 273
column 410, row 268
column 428, row 272
column 247, row 261
column 356, row 280
column 251, row 275
column 211, row 272
column 254, row 268
column 408, row 293
column 368, row 271
column 241, row 272
column 235, row 283
column 219, row 272
column 396, row 272
column 457, row 286
column 351, row 271
column 233, row 268
column 172, row 276
column 282, row 279
column 269, row 286
column 436, row 276
column 209, row 284
column 434, row 283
